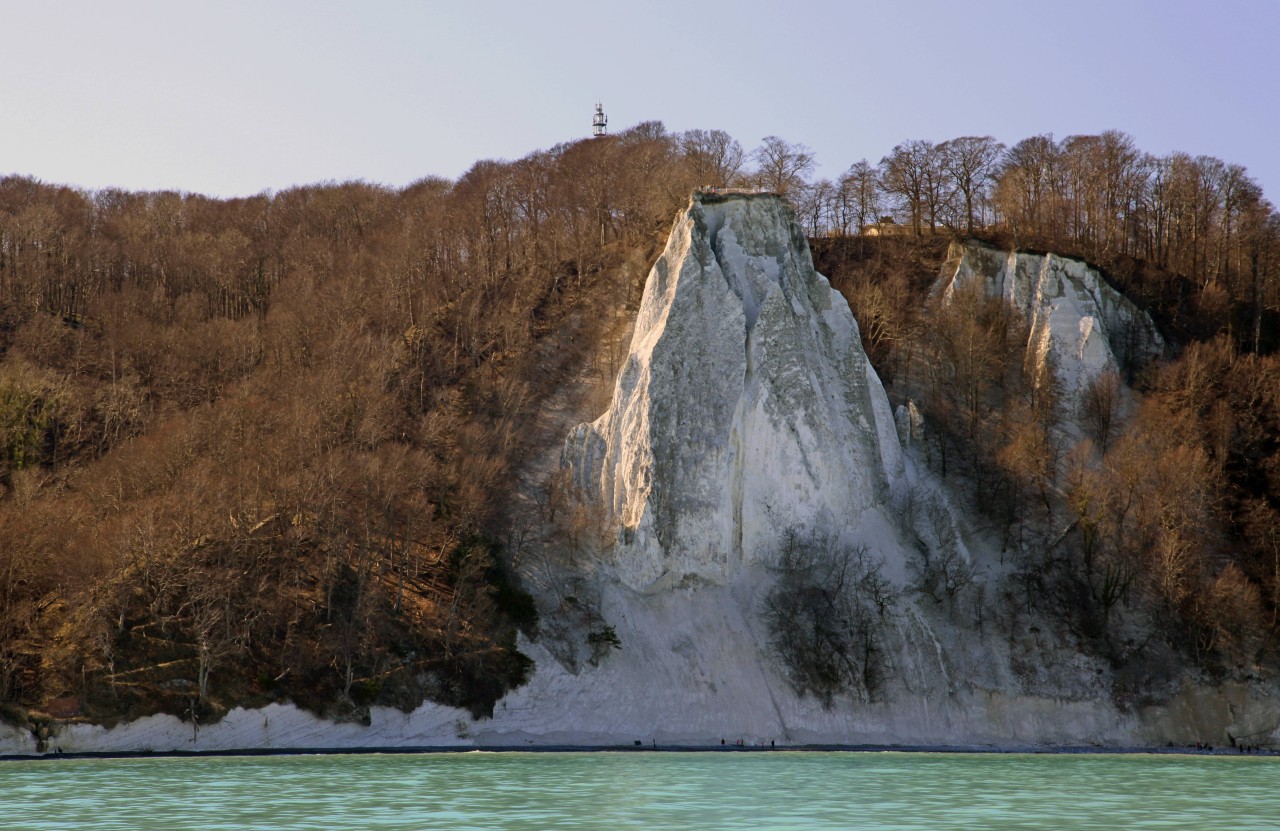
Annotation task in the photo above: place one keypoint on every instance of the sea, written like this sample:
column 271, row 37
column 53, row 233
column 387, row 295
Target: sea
column 801, row 790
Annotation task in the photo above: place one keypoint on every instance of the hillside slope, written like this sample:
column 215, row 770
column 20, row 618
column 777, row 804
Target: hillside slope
column 682, row 603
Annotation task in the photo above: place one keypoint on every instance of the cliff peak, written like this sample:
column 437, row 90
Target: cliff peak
column 746, row 405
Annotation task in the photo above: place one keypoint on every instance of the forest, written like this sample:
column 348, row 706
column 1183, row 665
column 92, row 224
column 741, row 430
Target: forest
column 264, row 448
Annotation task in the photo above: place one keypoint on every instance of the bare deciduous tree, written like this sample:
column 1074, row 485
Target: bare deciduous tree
column 858, row 197
column 781, row 167
column 714, row 157
column 826, row 618
column 972, row 163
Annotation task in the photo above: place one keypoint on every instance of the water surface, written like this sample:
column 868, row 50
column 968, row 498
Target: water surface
column 639, row 790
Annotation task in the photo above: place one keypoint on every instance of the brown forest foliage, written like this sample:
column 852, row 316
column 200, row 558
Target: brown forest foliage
column 1167, row 512
column 1193, row 239
column 259, row 448
column 256, row 448
column 1170, row 512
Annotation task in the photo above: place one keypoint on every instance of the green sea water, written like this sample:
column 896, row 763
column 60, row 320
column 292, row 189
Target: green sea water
column 645, row 790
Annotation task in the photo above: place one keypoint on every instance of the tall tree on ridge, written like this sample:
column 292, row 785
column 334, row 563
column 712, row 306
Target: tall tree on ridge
column 782, row 167
column 714, row 156
column 971, row 161
column 904, row 173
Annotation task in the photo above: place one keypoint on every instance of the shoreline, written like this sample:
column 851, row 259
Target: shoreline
column 1062, row 750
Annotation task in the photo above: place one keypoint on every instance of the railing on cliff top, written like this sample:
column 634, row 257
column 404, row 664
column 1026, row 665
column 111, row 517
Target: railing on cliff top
column 712, row 190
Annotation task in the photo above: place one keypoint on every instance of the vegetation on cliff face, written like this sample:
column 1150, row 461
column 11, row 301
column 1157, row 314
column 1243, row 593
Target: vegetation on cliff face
column 1171, row 508
column 1151, row 535
column 260, row 449
column 257, row 449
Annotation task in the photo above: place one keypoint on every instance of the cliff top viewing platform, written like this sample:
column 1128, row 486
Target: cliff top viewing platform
column 708, row 193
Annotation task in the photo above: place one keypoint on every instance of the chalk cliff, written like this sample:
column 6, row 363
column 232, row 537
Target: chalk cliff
column 746, row 406
column 1078, row 323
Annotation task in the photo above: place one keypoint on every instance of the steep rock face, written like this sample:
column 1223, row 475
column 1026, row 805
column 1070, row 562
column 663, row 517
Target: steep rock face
column 1079, row 323
column 746, row 405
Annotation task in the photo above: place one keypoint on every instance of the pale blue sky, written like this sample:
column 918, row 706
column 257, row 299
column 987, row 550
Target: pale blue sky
column 236, row 97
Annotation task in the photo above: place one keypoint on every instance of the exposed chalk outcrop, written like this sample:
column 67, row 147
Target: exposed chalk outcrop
column 1078, row 323
column 746, row 406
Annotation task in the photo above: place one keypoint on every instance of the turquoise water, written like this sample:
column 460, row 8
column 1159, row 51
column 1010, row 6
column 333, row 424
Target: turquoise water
column 757, row 790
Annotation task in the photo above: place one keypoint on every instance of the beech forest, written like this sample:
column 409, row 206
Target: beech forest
column 265, row 448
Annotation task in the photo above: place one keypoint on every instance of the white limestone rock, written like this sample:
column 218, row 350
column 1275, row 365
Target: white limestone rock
column 910, row 422
column 1078, row 323
column 746, row 406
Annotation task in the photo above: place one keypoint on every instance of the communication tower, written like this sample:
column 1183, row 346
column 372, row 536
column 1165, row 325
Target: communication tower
column 600, row 121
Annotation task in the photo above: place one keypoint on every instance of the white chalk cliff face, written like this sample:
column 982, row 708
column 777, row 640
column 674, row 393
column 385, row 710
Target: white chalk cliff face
column 746, row 406
column 1078, row 323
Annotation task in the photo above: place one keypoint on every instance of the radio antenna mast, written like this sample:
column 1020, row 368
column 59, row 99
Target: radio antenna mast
column 600, row 122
